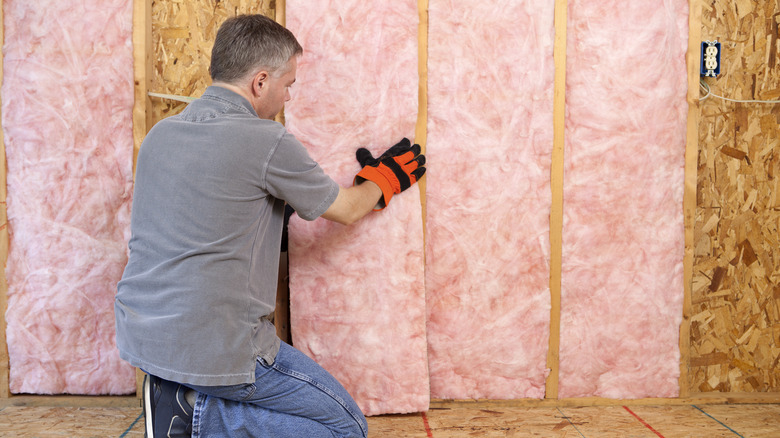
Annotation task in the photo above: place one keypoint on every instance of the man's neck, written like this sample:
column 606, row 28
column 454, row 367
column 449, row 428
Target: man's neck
column 233, row 88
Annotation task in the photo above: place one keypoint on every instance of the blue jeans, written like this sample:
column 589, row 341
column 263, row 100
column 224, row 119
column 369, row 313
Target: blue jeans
column 294, row 397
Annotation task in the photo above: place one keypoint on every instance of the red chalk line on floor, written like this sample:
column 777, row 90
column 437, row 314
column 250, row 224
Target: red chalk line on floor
column 427, row 426
column 642, row 421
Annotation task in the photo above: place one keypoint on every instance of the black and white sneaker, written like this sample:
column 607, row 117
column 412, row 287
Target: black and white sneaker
column 166, row 411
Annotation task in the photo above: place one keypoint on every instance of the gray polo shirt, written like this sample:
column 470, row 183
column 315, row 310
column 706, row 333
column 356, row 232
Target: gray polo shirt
column 208, row 209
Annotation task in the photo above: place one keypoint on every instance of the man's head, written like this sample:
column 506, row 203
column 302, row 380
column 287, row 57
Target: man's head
column 248, row 43
column 256, row 57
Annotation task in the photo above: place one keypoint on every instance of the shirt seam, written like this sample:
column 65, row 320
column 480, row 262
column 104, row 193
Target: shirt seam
column 145, row 365
column 227, row 101
column 267, row 163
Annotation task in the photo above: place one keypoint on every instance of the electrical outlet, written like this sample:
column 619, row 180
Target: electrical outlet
column 710, row 58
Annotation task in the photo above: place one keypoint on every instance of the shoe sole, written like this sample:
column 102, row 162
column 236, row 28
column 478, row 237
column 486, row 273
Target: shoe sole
column 149, row 433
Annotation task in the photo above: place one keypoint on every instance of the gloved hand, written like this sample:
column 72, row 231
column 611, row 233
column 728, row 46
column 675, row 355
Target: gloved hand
column 394, row 171
column 365, row 158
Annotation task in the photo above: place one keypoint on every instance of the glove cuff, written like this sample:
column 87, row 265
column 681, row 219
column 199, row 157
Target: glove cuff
column 372, row 174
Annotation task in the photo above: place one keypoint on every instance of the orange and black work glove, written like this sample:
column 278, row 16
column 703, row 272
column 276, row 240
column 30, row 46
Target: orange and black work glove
column 394, row 171
column 365, row 158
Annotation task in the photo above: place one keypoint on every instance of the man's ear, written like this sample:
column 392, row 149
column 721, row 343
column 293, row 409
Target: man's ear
column 259, row 81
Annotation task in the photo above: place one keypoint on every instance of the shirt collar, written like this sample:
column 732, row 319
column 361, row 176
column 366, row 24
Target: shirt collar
column 223, row 94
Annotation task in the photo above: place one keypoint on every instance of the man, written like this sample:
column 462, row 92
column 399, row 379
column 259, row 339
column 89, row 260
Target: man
column 194, row 304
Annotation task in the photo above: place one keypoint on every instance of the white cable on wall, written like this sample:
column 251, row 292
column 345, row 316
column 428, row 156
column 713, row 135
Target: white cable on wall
column 704, row 86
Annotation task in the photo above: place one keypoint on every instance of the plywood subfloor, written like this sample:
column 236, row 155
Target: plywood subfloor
column 474, row 420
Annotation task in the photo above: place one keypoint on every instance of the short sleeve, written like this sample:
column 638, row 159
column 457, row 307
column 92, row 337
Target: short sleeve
column 292, row 175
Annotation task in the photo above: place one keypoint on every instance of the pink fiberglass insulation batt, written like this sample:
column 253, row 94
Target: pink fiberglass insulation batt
column 357, row 293
column 622, row 280
column 67, row 116
column 490, row 129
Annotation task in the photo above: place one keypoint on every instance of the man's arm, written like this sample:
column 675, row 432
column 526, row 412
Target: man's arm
column 393, row 172
column 352, row 203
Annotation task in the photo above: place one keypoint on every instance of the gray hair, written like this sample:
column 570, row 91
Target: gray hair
column 246, row 43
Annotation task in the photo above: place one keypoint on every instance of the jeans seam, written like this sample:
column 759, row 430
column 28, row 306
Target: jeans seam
column 196, row 413
column 323, row 388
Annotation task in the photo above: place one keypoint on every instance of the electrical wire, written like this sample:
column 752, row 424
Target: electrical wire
column 704, row 86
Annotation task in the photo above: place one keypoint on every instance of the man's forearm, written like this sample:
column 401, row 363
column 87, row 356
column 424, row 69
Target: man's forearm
column 352, row 203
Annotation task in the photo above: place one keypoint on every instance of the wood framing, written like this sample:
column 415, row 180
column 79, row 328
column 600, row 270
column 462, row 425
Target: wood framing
column 556, row 186
column 142, row 71
column 280, row 12
column 142, row 75
column 421, row 129
column 5, row 391
column 689, row 195
column 698, row 399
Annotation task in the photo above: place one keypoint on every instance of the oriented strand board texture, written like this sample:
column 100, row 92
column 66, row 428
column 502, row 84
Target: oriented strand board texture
column 183, row 33
column 357, row 293
column 735, row 327
column 488, row 197
column 623, row 242
column 67, row 116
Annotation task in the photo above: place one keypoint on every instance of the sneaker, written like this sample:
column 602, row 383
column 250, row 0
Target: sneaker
column 166, row 411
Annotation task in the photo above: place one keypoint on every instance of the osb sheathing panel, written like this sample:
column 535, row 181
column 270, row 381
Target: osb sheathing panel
column 183, row 32
column 735, row 324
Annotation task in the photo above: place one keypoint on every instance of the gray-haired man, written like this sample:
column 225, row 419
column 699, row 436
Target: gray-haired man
column 193, row 306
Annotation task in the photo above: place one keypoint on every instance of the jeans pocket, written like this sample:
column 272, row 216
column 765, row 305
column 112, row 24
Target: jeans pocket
column 247, row 392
